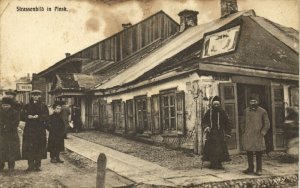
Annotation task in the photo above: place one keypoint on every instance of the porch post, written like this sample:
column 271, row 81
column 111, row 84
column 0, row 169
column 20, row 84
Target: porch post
column 198, row 111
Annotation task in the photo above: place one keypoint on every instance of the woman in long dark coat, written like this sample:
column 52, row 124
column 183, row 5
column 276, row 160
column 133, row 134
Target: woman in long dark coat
column 34, row 137
column 9, row 139
column 56, row 138
column 217, row 129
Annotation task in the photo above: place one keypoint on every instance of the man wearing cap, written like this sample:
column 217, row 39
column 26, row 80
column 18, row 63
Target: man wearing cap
column 34, row 137
column 254, row 128
column 217, row 129
column 9, row 139
column 12, row 94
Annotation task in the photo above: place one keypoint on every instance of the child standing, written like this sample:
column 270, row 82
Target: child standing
column 56, row 134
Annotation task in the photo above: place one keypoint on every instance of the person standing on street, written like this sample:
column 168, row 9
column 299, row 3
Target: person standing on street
column 12, row 95
column 76, row 118
column 56, row 129
column 254, row 128
column 217, row 129
column 34, row 137
column 9, row 139
column 65, row 113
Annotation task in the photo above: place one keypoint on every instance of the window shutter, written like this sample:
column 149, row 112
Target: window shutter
column 122, row 123
column 109, row 113
column 180, row 109
column 129, row 125
column 149, row 127
column 102, row 114
column 155, row 109
column 278, row 116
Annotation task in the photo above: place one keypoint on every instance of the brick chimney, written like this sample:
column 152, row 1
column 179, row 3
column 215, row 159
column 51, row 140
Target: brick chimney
column 228, row 7
column 188, row 18
column 67, row 54
column 126, row 25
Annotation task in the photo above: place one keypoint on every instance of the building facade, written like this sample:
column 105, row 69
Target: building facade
column 157, row 84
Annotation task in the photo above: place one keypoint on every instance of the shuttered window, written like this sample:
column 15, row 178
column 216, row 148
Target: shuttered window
column 172, row 111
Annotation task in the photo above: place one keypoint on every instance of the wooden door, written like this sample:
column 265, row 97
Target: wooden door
column 228, row 94
column 278, row 114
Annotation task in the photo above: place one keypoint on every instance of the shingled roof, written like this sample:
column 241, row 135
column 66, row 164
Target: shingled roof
column 263, row 45
column 166, row 51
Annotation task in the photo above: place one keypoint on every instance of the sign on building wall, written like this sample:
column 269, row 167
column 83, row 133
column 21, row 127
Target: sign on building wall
column 221, row 42
column 24, row 87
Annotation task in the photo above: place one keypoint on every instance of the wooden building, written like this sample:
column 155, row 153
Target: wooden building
column 160, row 89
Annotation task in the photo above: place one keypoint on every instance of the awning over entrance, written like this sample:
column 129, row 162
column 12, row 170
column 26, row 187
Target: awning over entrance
column 68, row 85
column 246, row 71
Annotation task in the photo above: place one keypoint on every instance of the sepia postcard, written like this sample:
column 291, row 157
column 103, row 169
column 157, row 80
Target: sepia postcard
column 149, row 93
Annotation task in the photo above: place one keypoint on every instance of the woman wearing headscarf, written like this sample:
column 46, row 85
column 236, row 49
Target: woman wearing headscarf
column 216, row 129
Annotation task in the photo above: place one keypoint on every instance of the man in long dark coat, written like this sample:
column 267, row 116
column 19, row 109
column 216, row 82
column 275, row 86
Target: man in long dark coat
column 217, row 129
column 56, row 138
column 76, row 118
column 9, row 139
column 65, row 113
column 34, row 137
column 255, row 126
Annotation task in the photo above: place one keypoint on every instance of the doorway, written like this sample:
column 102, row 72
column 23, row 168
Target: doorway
column 244, row 92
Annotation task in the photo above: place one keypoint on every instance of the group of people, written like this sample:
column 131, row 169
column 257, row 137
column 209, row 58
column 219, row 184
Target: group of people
column 37, row 121
column 217, row 131
column 215, row 123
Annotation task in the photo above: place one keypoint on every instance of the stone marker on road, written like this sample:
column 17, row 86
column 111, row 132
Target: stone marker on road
column 101, row 168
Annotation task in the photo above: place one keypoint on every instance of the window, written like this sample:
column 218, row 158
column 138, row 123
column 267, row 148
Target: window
column 172, row 108
column 168, row 111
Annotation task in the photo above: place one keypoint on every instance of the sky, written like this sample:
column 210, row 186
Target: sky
column 31, row 41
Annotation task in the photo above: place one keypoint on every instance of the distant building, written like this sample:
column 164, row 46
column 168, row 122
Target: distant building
column 23, row 88
column 2, row 93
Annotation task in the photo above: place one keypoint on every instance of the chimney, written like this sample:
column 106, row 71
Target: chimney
column 68, row 55
column 126, row 25
column 188, row 18
column 228, row 7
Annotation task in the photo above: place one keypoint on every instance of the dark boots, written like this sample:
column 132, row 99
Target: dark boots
column 250, row 169
column 55, row 157
column 34, row 165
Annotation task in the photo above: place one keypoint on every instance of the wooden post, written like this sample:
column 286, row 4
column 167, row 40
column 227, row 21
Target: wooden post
column 196, row 127
column 101, row 168
column 199, row 117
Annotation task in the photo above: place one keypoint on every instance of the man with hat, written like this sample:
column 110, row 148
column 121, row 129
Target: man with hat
column 9, row 139
column 12, row 94
column 217, row 129
column 34, row 137
column 254, row 128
